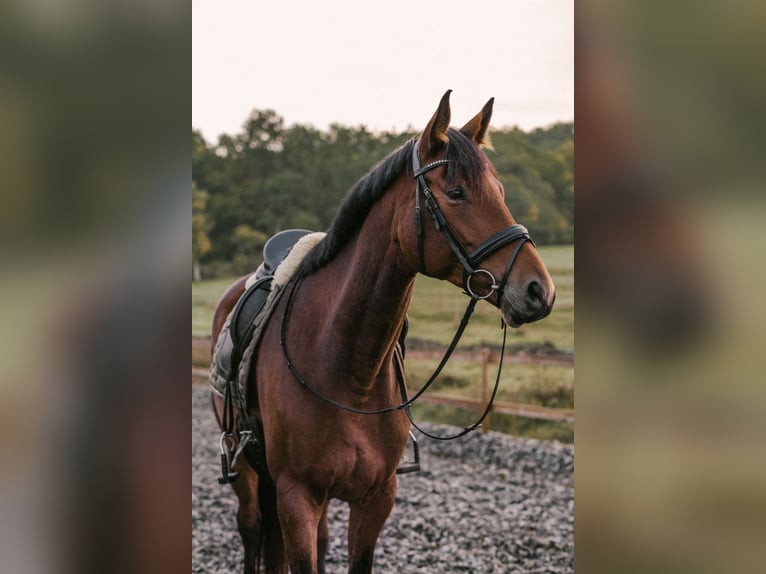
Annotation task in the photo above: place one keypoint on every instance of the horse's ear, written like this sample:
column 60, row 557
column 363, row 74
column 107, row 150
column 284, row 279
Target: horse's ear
column 477, row 128
column 435, row 134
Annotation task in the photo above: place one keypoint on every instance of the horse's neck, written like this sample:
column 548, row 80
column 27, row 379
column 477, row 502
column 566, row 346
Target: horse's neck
column 371, row 289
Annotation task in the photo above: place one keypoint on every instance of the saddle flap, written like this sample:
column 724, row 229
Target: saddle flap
column 238, row 331
column 247, row 309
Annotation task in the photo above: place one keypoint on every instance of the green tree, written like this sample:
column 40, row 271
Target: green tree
column 248, row 250
column 268, row 177
column 200, row 225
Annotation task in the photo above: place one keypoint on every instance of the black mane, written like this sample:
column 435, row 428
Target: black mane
column 466, row 160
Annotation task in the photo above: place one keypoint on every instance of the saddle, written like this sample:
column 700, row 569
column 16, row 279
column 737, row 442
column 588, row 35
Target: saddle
column 238, row 332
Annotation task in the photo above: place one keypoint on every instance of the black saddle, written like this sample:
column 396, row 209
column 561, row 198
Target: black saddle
column 276, row 249
column 241, row 327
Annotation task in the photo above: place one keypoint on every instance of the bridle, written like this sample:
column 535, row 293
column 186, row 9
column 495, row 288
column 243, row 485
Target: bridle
column 470, row 262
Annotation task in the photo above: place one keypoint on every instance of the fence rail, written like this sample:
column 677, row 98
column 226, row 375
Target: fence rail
column 485, row 357
column 494, row 356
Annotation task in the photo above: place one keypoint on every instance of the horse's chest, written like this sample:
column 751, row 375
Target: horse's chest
column 348, row 461
column 360, row 470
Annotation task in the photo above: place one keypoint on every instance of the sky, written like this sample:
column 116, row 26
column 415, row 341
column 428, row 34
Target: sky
column 382, row 64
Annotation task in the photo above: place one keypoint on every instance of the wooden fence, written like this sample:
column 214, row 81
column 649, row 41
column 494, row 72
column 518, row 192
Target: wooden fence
column 485, row 357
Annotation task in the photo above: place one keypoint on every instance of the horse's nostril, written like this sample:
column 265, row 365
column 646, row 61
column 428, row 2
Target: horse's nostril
column 535, row 293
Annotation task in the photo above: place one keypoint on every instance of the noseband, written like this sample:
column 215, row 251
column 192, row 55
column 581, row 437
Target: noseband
column 469, row 260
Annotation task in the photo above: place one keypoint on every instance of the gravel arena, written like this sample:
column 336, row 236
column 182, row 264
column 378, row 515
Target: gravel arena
column 483, row 503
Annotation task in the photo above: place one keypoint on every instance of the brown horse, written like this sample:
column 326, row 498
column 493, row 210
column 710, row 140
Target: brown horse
column 341, row 332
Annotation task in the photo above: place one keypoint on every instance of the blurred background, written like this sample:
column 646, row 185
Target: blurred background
column 669, row 218
column 94, row 217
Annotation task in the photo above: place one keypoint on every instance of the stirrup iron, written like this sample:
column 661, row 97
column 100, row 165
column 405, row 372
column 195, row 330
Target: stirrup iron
column 226, row 443
column 413, row 466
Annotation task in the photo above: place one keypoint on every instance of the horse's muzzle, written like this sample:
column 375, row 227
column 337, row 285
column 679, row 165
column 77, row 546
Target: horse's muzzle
column 530, row 303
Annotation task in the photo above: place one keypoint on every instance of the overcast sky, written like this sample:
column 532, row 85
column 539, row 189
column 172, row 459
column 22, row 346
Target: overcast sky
column 384, row 64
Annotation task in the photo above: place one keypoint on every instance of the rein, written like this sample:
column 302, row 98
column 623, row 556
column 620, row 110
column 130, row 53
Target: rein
column 405, row 401
column 470, row 262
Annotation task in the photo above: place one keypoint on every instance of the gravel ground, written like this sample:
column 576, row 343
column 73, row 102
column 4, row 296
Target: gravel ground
column 482, row 503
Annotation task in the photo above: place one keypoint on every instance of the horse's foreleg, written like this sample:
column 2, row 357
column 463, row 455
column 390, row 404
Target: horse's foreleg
column 366, row 520
column 300, row 513
column 323, row 537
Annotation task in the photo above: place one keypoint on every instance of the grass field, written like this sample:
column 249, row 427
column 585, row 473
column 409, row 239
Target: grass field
column 434, row 314
column 205, row 296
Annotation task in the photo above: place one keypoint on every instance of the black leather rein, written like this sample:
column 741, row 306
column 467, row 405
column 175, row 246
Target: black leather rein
column 470, row 262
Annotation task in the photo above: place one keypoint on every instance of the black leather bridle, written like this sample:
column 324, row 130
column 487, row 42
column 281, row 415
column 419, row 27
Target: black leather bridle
column 469, row 260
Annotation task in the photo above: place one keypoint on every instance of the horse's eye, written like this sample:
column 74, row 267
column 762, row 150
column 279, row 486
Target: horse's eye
column 456, row 194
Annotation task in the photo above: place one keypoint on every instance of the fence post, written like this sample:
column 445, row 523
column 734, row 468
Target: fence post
column 485, row 357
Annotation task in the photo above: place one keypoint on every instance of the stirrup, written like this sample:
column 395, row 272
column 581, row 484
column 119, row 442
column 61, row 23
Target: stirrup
column 413, row 466
column 245, row 437
column 226, row 443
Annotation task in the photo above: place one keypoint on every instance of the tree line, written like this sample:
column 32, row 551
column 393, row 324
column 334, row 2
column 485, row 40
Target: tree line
column 269, row 177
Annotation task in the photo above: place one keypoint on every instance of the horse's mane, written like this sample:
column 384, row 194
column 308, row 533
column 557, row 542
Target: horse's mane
column 465, row 159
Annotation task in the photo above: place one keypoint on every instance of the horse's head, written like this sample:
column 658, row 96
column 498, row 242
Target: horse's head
column 463, row 231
